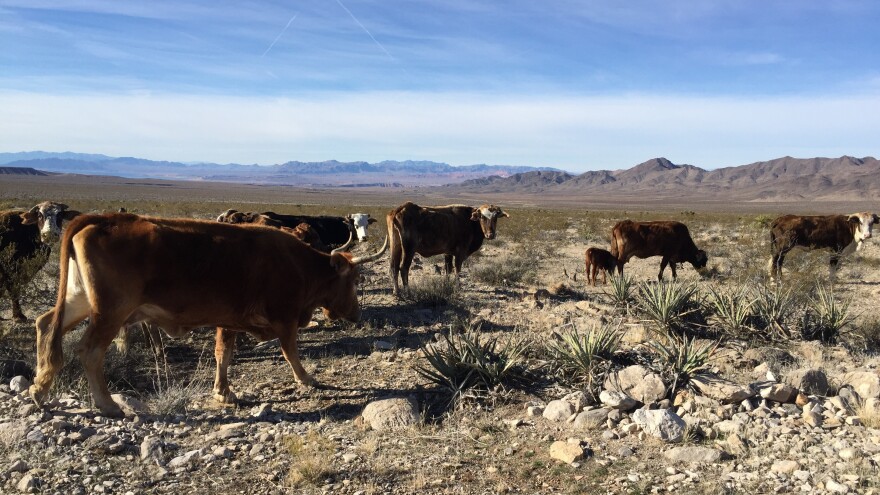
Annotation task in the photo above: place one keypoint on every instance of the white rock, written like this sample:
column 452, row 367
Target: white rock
column 617, row 400
column 784, row 466
column 19, row 384
column 130, row 406
column 558, row 410
column 391, row 413
column 660, row 423
column 693, row 455
column 185, row 460
column 637, row 382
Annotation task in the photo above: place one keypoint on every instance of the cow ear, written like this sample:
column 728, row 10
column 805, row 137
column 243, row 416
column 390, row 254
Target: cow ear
column 503, row 213
column 475, row 216
column 854, row 219
column 373, row 220
column 340, row 263
column 68, row 215
column 31, row 217
column 876, row 219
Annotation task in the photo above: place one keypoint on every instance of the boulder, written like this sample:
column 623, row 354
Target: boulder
column 617, row 400
column 810, row 381
column 866, row 383
column 391, row 413
column 693, row 455
column 784, row 467
column 660, row 423
column 594, row 418
column 720, row 389
column 637, row 382
column 19, row 384
column 558, row 410
column 129, row 405
column 779, row 392
column 566, row 452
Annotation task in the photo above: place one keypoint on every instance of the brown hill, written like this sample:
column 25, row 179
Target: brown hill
column 783, row 179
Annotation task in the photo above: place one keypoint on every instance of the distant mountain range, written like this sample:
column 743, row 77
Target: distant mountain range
column 783, row 179
column 328, row 173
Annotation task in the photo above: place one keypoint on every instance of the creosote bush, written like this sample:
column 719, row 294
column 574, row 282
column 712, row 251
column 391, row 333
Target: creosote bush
column 472, row 364
column 431, row 291
column 511, row 270
column 585, row 357
column 680, row 359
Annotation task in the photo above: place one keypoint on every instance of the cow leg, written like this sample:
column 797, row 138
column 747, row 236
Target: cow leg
column 776, row 265
column 92, row 349
column 672, row 267
column 447, row 260
column 604, row 277
column 17, row 315
column 396, row 256
column 224, row 347
column 593, row 272
column 663, row 263
column 833, row 266
column 290, row 349
column 408, row 255
column 50, row 356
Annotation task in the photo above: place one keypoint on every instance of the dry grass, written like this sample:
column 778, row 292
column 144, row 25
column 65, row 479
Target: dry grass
column 309, row 458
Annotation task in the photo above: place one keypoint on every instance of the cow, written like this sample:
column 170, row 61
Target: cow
column 842, row 234
column 456, row 231
column 179, row 274
column 599, row 259
column 26, row 235
column 666, row 238
column 333, row 231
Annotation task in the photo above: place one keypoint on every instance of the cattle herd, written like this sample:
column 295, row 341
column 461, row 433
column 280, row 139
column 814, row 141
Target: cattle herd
column 266, row 273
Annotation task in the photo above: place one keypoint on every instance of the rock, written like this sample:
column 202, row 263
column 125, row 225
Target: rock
column 18, row 466
column 848, row 454
column 221, row 452
column 784, row 466
column 130, row 406
column 635, row 334
column 812, row 419
column 594, row 418
column 151, row 449
column 663, row 424
column 693, row 455
column 617, row 400
column 578, row 400
column 104, row 443
column 720, row 389
column 865, row 383
column 835, row 487
column 558, row 410
column 637, row 382
column 566, row 452
column 184, row 461
column 533, row 411
column 736, row 444
column 262, row 410
column 801, row 400
column 809, row 381
column 35, row 436
column 19, row 384
column 779, row 392
column 771, row 355
column 391, row 413
column 28, row 483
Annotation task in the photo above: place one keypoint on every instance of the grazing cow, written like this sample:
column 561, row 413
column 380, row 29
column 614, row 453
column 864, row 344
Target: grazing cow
column 599, row 259
column 456, row 231
column 181, row 274
column 842, row 234
column 25, row 235
column 333, row 231
column 669, row 239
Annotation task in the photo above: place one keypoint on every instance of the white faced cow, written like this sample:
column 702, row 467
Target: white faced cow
column 842, row 234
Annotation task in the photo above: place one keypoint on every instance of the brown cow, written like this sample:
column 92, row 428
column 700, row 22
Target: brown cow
column 842, row 234
column 456, row 231
column 27, row 235
column 181, row 274
column 599, row 259
column 666, row 238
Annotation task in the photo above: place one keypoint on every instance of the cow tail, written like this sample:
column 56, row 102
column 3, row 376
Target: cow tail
column 66, row 252
column 614, row 238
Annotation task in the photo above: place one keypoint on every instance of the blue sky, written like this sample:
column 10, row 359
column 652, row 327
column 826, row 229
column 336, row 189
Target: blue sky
column 576, row 85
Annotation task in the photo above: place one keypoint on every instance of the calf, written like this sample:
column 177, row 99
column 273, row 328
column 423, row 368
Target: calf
column 666, row 238
column 599, row 259
column 455, row 231
column 26, row 235
column 842, row 234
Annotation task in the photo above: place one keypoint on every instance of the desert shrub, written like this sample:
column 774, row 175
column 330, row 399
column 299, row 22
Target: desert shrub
column 431, row 291
column 585, row 357
column 172, row 393
column 826, row 316
column 468, row 363
column 620, row 290
column 773, row 307
column 866, row 335
column 308, row 458
column 680, row 359
column 667, row 304
column 732, row 309
column 510, row 270
column 16, row 274
column 762, row 222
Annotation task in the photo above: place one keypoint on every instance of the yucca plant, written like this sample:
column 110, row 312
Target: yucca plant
column 732, row 308
column 773, row 306
column 679, row 359
column 620, row 290
column 667, row 303
column 468, row 362
column 584, row 357
column 826, row 316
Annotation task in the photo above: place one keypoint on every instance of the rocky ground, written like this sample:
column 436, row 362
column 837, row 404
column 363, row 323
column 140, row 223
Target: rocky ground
column 765, row 417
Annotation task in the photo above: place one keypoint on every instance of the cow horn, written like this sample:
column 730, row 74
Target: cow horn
column 373, row 257
column 344, row 246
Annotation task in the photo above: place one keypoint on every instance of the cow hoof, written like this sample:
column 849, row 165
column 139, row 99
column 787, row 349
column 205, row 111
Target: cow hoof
column 111, row 411
column 229, row 398
column 38, row 397
column 308, row 382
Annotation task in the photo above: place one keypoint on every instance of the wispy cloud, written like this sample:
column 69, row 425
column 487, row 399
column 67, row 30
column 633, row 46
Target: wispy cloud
column 279, row 35
column 366, row 31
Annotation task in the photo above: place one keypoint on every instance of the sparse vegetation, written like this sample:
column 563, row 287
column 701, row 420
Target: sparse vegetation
column 667, row 304
column 774, row 307
column 620, row 290
column 732, row 309
column 826, row 316
column 585, row 357
column 507, row 271
column 681, row 358
column 431, row 291
column 308, row 458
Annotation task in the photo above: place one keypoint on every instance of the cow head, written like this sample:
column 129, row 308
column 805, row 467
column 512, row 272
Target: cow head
column 488, row 216
column 700, row 259
column 358, row 223
column 47, row 216
column 343, row 301
column 863, row 225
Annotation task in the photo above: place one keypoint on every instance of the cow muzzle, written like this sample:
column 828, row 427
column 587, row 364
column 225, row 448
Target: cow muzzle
column 490, row 236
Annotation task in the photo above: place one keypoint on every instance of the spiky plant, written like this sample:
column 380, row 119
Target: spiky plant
column 620, row 290
column 680, row 359
column 732, row 309
column 667, row 304
column 773, row 307
column 826, row 316
column 470, row 362
column 585, row 357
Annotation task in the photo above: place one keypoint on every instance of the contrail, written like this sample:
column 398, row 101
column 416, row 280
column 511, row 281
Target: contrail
column 366, row 31
column 279, row 34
